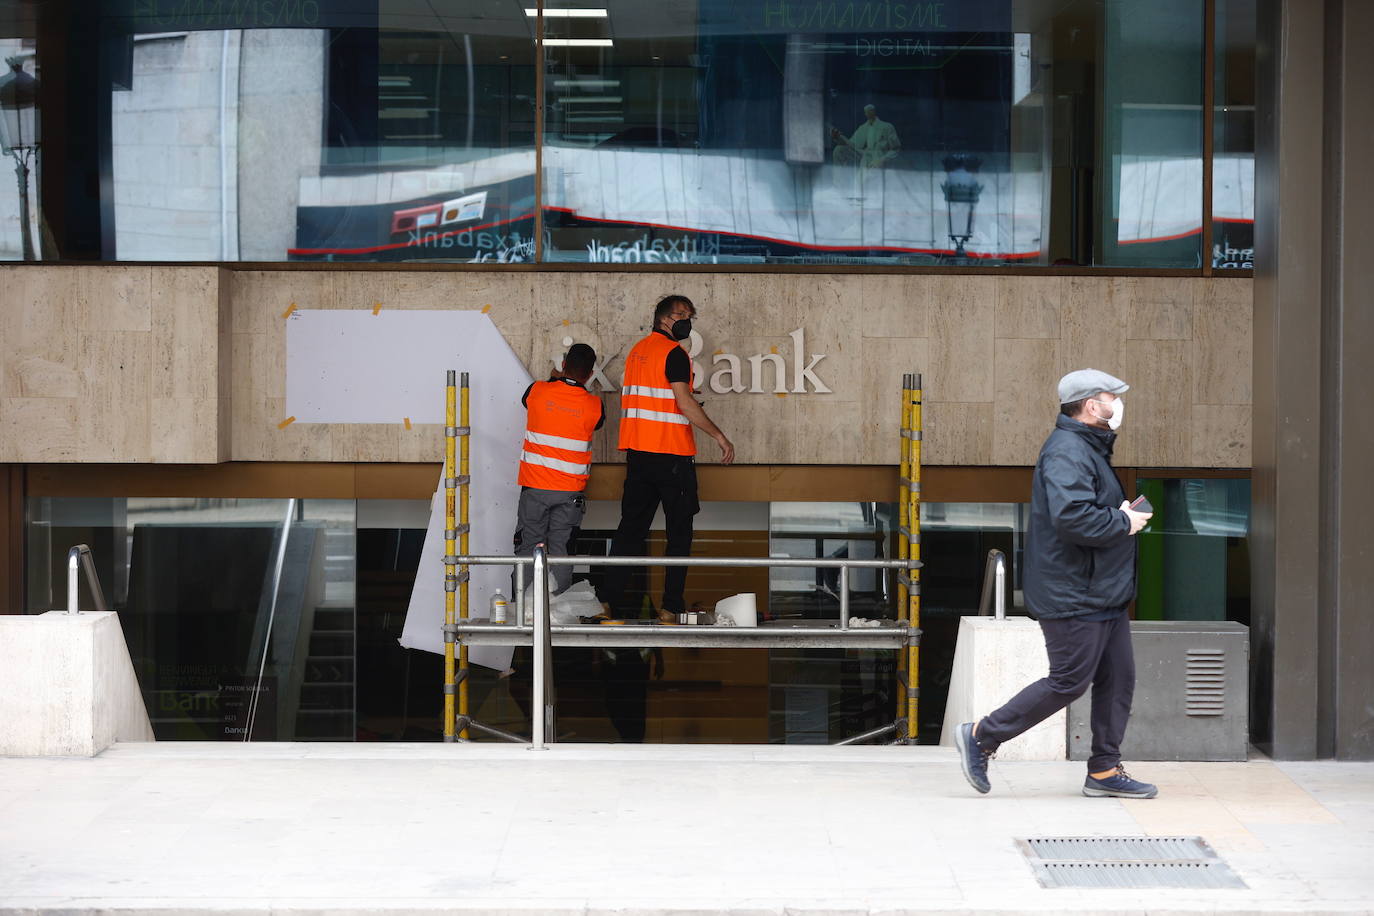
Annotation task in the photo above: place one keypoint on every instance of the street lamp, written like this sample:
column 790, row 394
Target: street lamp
column 18, row 136
column 961, row 196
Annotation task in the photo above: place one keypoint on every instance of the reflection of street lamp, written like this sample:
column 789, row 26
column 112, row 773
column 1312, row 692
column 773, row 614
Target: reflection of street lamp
column 961, row 194
column 18, row 104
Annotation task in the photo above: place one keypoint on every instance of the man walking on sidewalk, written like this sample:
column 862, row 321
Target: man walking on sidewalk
column 1079, row 579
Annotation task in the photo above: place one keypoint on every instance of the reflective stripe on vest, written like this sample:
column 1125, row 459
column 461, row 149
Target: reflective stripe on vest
column 645, row 391
column 658, row 415
column 575, row 445
column 567, row 467
column 557, row 453
column 650, row 420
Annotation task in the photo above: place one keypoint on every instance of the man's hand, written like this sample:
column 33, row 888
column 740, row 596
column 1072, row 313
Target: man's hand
column 727, row 449
column 1137, row 519
column 694, row 412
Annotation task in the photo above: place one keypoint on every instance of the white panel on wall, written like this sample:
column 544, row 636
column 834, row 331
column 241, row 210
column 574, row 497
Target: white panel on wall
column 355, row 366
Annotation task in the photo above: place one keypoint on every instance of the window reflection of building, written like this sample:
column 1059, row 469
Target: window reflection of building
column 697, row 131
column 873, row 144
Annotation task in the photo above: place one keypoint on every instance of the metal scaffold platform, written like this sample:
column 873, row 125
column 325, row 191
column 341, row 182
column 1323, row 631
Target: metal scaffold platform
column 901, row 634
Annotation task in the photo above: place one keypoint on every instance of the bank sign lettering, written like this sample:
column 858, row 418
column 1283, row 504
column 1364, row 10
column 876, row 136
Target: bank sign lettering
column 732, row 374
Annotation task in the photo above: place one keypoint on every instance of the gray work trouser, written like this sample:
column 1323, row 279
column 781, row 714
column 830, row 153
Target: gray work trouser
column 548, row 517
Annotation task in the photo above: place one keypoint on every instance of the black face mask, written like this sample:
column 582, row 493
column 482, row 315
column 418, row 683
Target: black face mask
column 682, row 329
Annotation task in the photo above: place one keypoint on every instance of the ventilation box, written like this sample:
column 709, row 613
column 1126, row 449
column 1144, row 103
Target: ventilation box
column 1191, row 694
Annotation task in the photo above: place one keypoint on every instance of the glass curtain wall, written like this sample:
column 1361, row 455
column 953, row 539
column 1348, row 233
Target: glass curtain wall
column 20, row 235
column 1193, row 559
column 988, row 132
column 1150, row 180
column 238, row 613
column 1233, row 119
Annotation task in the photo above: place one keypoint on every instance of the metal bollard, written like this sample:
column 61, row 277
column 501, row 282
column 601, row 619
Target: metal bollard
column 844, row 597
column 1000, row 601
column 541, row 712
column 73, row 580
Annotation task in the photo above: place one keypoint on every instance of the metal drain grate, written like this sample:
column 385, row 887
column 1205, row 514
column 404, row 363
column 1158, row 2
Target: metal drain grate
column 1127, row 862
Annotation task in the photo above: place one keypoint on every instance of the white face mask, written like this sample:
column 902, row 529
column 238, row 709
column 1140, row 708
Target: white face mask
column 1118, row 410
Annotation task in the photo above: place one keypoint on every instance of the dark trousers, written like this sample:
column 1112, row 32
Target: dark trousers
column 652, row 480
column 1083, row 654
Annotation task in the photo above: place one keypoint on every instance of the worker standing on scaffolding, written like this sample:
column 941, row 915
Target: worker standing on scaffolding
column 657, row 415
column 556, row 459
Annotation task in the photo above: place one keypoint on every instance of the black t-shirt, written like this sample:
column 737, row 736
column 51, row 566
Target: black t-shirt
column 567, row 381
column 678, row 366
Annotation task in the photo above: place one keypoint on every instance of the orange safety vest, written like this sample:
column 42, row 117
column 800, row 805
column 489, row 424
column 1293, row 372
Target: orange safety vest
column 650, row 420
column 560, row 420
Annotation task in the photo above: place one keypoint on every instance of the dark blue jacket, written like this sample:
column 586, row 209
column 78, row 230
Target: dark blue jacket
column 1080, row 556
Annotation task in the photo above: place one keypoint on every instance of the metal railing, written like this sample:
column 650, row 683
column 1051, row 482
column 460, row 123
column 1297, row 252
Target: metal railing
column 78, row 558
column 994, row 585
column 541, row 629
column 460, row 633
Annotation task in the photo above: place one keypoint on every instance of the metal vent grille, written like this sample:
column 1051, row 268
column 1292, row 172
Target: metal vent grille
column 1205, row 693
column 1120, row 848
column 1127, row 862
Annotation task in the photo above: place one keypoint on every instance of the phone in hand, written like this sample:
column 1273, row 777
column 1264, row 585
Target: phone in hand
column 1141, row 504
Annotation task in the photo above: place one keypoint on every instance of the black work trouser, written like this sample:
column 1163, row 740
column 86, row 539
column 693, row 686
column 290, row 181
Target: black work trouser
column 652, row 480
column 1083, row 654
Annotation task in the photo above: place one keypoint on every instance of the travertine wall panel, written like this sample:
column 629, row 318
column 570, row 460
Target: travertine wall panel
column 1158, row 424
column 1014, row 362
column 1220, row 436
column 112, row 364
column 961, row 323
column 1222, row 345
column 885, row 360
column 990, row 350
column 168, row 364
column 1028, row 307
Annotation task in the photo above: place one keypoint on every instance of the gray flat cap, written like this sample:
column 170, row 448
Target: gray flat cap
column 1087, row 383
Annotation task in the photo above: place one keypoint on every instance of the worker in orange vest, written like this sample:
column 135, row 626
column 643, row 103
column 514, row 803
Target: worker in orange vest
column 657, row 413
column 556, row 458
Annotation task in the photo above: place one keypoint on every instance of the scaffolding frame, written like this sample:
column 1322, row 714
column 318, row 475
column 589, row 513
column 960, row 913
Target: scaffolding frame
column 902, row 635
column 909, row 548
column 457, row 480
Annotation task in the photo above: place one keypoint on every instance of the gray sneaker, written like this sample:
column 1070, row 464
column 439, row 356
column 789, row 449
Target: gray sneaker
column 1118, row 785
column 972, row 758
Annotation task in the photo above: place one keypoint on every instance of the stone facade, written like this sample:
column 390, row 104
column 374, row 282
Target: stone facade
column 166, row 364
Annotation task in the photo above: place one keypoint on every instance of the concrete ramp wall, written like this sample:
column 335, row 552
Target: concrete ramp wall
column 67, row 686
column 993, row 660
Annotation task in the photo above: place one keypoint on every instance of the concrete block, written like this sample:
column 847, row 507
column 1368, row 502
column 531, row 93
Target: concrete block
column 993, row 660
column 67, row 686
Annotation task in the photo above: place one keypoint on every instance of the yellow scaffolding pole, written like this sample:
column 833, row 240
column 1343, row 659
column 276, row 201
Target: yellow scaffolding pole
column 456, row 480
column 902, row 479
column 450, row 552
column 464, row 481
column 912, row 494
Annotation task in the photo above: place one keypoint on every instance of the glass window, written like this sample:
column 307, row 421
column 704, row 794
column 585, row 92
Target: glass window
column 428, row 138
column 19, row 147
column 955, row 540
column 987, row 132
column 348, row 130
column 238, row 613
column 1193, row 558
column 712, row 131
column 1233, row 141
column 1151, row 177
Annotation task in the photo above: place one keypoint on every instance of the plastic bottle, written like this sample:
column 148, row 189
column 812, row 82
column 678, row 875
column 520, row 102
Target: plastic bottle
column 498, row 607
